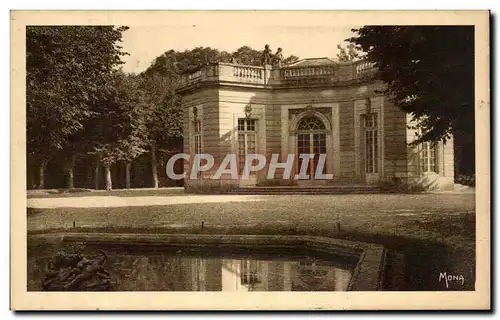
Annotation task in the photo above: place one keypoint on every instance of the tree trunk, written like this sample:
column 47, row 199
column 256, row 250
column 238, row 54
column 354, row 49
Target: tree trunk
column 71, row 167
column 41, row 184
column 127, row 175
column 96, row 173
column 109, row 183
column 31, row 177
column 153, row 164
column 90, row 177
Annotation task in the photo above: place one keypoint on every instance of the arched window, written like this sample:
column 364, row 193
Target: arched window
column 311, row 124
column 311, row 139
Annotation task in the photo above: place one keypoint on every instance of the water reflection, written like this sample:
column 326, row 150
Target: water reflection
column 258, row 275
column 178, row 272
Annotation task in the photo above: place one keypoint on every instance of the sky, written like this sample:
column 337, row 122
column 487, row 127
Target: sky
column 144, row 43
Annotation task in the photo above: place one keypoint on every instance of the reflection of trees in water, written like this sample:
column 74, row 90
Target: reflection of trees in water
column 148, row 273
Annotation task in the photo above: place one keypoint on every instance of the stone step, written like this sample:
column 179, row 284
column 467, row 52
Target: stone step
column 305, row 190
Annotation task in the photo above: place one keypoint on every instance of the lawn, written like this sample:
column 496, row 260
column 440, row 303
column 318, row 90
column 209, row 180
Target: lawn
column 436, row 232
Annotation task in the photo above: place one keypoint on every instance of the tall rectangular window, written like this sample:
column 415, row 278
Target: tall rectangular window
column 428, row 157
column 371, row 143
column 197, row 137
column 247, row 137
column 198, row 142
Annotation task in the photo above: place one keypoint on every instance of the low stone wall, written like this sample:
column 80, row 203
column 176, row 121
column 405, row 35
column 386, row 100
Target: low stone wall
column 368, row 274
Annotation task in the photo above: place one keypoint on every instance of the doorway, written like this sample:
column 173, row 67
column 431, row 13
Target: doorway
column 311, row 139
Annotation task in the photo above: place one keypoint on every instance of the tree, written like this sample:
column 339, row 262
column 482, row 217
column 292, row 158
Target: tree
column 165, row 113
column 429, row 73
column 67, row 67
column 120, row 128
column 192, row 59
column 290, row 59
column 348, row 53
column 248, row 56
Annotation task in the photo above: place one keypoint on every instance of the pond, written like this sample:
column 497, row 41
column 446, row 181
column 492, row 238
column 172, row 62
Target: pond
column 163, row 268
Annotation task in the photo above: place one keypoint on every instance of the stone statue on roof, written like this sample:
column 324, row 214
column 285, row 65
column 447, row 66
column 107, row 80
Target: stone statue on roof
column 266, row 55
column 277, row 59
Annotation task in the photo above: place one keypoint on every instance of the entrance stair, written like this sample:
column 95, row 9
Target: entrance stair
column 305, row 190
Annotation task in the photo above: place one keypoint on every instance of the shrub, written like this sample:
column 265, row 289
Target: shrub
column 397, row 185
column 205, row 188
column 467, row 180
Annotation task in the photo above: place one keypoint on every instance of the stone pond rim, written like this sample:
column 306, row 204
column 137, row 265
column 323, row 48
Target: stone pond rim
column 368, row 274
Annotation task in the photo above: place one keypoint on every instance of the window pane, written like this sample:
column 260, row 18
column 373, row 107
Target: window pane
column 250, row 125
column 371, row 154
column 428, row 157
column 303, row 143
column 241, row 142
column 197, row 144
column 197, row 126
column 241, row 124
column 319, row 143
column 374, row 151
column 311, row 123
column 368, row 152
column 247, row 124
column 432, row 157
column 241, row 152
column 250, row 143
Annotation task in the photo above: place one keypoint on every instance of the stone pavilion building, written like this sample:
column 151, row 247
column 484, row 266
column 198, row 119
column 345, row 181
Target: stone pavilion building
column 314, row 106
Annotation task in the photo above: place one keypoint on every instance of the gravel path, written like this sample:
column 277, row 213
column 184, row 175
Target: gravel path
column 140, row 201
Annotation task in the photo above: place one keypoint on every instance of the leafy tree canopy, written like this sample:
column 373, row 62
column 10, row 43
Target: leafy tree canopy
column 348, row 53
column 429, row 72
column 119, row 129
column 67, row 67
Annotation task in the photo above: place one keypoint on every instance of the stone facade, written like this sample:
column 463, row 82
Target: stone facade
column 314, row 106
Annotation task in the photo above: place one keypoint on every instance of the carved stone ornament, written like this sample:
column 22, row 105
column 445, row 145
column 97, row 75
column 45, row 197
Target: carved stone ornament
column 293, row 113
column 309, row 109
column 248, row 111
column 73, row 271
column 195, row 113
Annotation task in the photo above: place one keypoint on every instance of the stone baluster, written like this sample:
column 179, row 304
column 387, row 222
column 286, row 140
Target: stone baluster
column 247, row 72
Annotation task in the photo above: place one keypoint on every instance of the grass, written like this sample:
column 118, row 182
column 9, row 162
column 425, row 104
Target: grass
column 436, row 232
